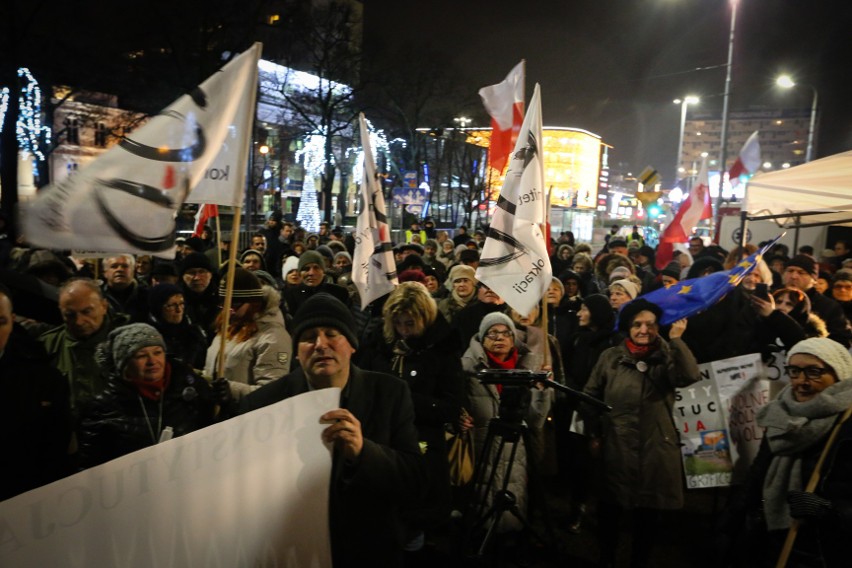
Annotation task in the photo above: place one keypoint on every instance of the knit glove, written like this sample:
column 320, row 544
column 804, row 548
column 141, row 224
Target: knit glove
column 221, row 391
column 805, row 505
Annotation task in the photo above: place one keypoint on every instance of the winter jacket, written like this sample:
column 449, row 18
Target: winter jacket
column 366, row 497
column 640, row 445
column 75, row 358
column 120, row 421
column 262, row 358
column 35, row 417
column 432, row 368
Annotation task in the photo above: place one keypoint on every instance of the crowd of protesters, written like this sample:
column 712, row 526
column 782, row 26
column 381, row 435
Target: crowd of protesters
column 102, row 358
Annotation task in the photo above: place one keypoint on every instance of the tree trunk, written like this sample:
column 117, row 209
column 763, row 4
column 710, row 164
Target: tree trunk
column 9, row 150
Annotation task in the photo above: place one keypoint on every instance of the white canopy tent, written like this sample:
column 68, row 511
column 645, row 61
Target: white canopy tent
column 816, row 193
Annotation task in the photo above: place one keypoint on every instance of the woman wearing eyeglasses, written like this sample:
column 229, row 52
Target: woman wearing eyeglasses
column 258, row 349
column 637, row 441
column 496, row 346
column 797, row 426
column 184, row 340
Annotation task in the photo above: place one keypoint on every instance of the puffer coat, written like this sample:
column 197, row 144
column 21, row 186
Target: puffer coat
column 640, row 446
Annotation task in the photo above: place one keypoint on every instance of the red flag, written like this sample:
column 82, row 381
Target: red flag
column 748, row 160
column 205, row 212
column 505, row 104
column 695, row 208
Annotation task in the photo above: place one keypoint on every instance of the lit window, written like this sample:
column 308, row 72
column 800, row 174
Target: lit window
column 273, row 19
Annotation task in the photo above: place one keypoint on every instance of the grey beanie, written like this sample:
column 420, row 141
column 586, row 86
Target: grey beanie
column 123, row 342
column 831, row 352
column 311, row 257
column 492, row 319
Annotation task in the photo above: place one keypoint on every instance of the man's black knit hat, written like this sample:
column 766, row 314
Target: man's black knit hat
column 324, row 310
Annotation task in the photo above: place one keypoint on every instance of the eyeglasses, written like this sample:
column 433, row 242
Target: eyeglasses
column 495, row 335
column 175, row 307
column 813, row 374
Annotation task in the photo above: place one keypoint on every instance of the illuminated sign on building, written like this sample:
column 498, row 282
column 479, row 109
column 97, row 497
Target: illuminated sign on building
column 572, row 165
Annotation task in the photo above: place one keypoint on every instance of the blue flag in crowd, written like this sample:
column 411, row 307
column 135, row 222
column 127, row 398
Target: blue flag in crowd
column 688, row 297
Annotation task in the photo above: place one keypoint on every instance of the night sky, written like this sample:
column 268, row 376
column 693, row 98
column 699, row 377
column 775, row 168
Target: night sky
column 614, row 66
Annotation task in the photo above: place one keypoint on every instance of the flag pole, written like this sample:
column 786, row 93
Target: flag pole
column 219, row 240
column 229, row 289
column 545, row 203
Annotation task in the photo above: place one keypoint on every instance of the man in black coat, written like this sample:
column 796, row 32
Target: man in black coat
column 801, row 272
column 35, row 411
column 377, row 467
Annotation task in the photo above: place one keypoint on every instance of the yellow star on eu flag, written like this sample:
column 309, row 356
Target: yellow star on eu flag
column 685, row 290
column 745, row 264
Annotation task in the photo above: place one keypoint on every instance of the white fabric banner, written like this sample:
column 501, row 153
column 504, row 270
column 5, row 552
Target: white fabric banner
column 126, row 199
column 251, row 491
column 373, row 267
column 514, row 261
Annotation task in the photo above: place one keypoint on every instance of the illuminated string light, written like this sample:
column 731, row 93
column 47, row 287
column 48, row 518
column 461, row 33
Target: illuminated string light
column 32, row 134
column 309, row 214
column 380, row 144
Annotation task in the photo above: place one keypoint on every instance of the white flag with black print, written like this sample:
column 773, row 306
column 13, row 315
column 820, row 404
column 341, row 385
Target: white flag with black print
column 514, row 261
column 374, row 269
column 126, row 199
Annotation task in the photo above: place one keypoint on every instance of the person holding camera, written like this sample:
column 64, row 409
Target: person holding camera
column 637, row 442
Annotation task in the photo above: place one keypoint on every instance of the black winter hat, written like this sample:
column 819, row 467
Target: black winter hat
column 632, row 309
column 165, row 268
column 468, row 255
column 195, row 260
column 246, row 285
column 569, row 274
column 324, row 310
column 602, row 314
column 158, row 296
column 804, row 262
column 702, row 264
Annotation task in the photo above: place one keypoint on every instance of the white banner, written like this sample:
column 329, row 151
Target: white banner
column 514, row 261
column 126, row 199
column 251, row 491
column 373, row 267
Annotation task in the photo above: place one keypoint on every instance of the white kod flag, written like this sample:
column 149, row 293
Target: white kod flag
column 514, row 261
column 374, row 269
column 126, row 200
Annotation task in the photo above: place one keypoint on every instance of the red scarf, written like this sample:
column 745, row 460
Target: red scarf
column 641, row 351
column 154, row 390
column 511, row 362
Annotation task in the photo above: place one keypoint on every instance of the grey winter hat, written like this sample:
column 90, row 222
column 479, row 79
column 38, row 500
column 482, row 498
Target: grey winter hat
column 123, row 342
column 831, row 352
column 492, row 319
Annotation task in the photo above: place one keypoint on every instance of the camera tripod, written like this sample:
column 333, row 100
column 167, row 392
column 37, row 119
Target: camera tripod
column 502, row 434
column 509, row 429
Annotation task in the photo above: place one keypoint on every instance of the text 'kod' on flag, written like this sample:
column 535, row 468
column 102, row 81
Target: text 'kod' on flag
column 514, row 261
column 126, row 199
column 505, row 104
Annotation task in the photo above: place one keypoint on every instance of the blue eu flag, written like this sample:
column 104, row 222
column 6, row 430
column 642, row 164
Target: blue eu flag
column 688, row 297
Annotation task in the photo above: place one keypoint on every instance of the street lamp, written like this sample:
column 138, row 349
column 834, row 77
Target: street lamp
column 688, row 100
column 786, row 82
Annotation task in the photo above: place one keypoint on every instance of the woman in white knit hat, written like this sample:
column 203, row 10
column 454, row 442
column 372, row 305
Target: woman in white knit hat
column 797, row 426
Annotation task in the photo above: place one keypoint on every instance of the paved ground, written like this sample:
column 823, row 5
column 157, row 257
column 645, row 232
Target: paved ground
column 685, row 542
